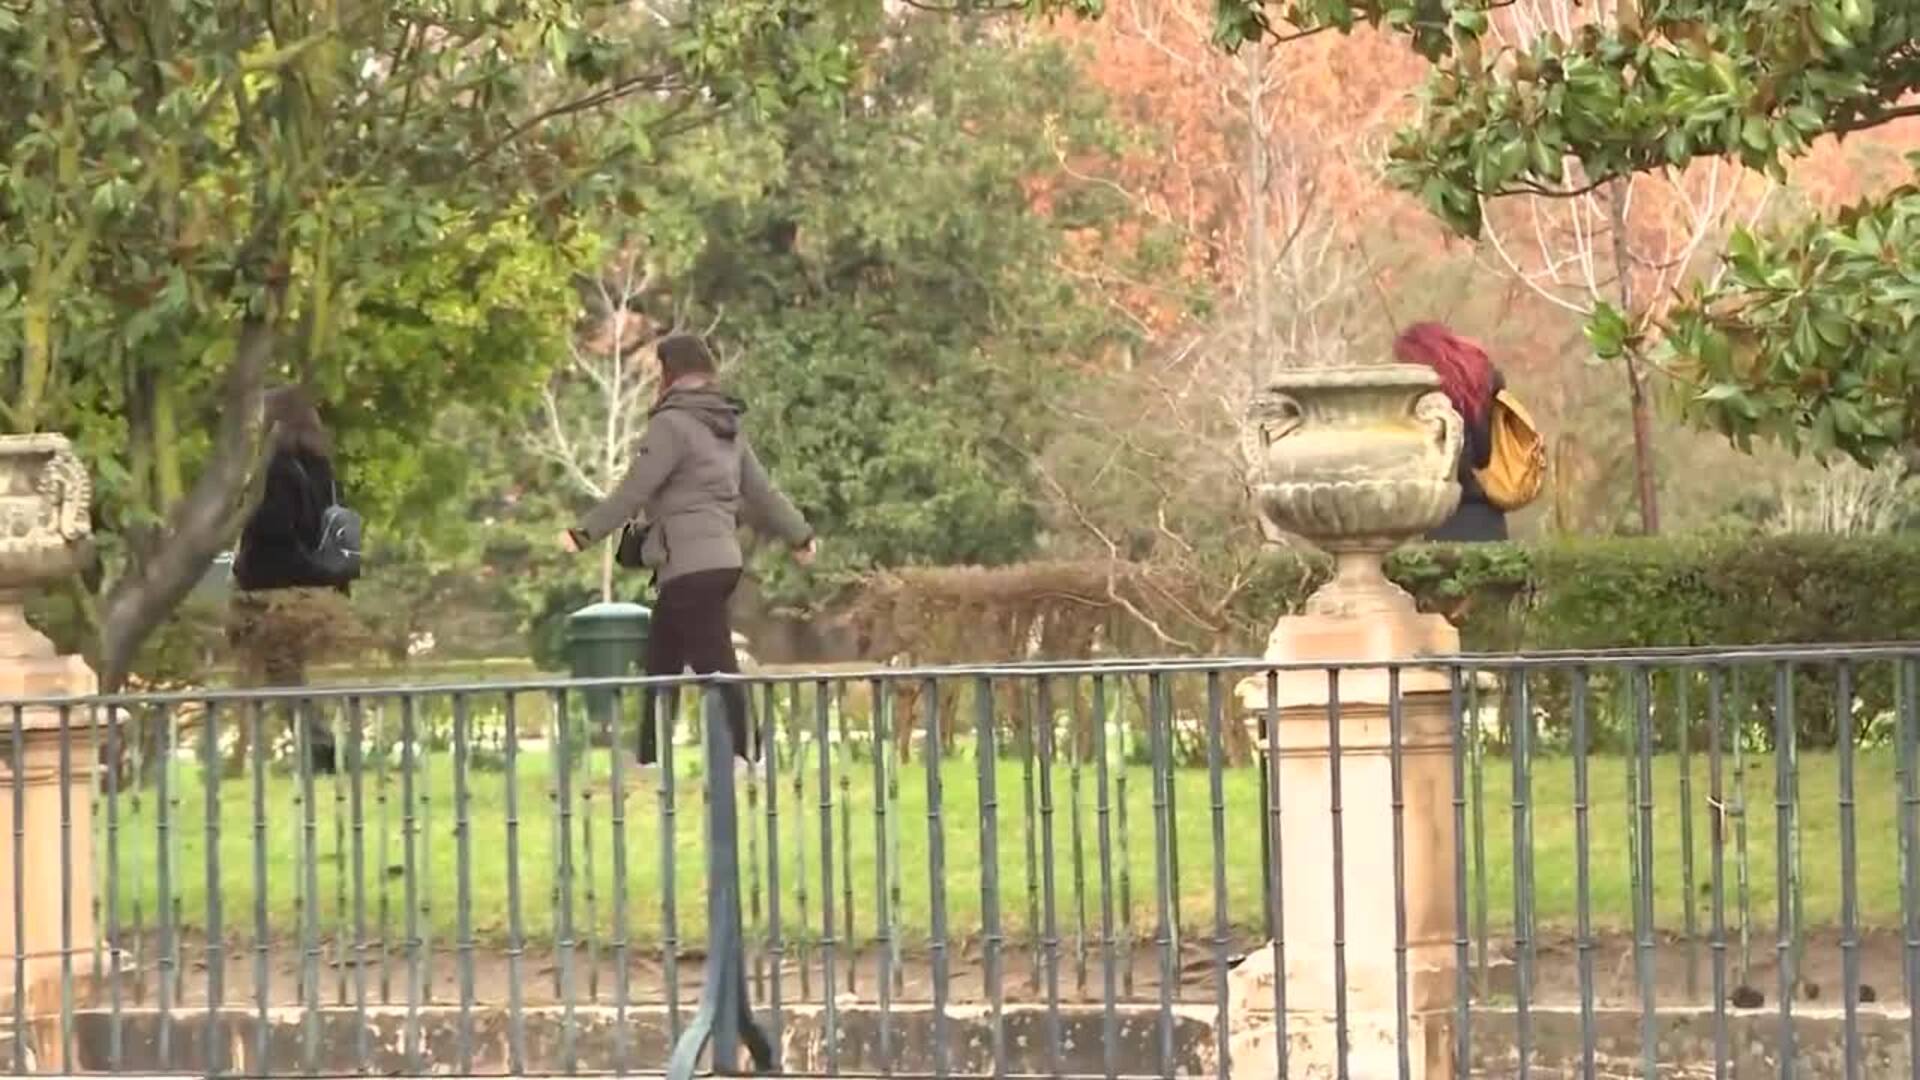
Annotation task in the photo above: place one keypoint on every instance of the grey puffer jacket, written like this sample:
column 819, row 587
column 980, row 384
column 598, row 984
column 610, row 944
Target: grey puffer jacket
column 695, row 479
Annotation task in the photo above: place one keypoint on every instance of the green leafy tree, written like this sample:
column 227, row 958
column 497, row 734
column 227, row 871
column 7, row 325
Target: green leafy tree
column 203, row 196
column 883, row 277
column 1809, row 336
column 897, row 305
column 884, row 280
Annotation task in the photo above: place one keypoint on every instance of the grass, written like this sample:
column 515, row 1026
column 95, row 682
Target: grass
column 522, row 845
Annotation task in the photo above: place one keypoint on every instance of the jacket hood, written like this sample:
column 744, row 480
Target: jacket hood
column 716, row 409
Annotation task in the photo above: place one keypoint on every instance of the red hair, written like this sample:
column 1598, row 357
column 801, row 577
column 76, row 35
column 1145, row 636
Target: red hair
column 1466, row 375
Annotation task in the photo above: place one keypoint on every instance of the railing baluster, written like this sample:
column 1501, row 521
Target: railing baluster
column 1336, row 815
column 1520, row 748
column 383, row 844
column 302, row 727
column 257, row 742
column 463, row 869
column 1177, row 939
column 1743, row 715
column 18, row 775
column 1583, row 869
column 1717, row 837
column 829, row 958
column 1476, row 762
column 1402, row 997
column 1030, row 788
column 1683, row 677
column 723, row 1021
column 336, row 781
column 163, row 873
column 65, row 734
column 1049, row 902
column 755, row 928
column 1784, row 733
column 897, row 861
column 1643, row 895
column 116, row 948
column 1074, row 764
column 586, row 924
column 937, row 881
column 414, row 859
column 573, row 741
column 1463, row 937
column 802, row 879
column 666, row 722
column 849, row 942
column 622, row 929
column 1276, row 874
column 1158, row 727
column 356, row 766
column 883, row 907
column 1103, row 812
column 1849, row 866
column 216, row 945
column 516, row 927
column 1908, row 751
column 1125, row 859
column 175, row 901
column 1217, row 802
column 988, row 756
column 770, row 753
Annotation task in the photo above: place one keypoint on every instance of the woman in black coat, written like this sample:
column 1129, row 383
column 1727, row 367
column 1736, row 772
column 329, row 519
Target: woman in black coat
column 1470, row 382
column 286, row 612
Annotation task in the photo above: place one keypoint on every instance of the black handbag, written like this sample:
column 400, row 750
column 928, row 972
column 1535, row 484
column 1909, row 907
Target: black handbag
column 631, row 551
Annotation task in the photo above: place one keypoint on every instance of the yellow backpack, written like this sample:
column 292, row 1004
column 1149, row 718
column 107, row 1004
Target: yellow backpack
column 1517, row 467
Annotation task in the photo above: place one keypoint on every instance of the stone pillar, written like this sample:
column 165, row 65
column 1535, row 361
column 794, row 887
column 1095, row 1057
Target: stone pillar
column 46, row 790
column 1356, row 459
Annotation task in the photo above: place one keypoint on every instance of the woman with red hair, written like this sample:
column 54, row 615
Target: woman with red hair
column 1470, row 382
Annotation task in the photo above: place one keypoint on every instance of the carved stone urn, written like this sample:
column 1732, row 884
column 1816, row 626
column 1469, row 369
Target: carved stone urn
column 1357, row 460
column 44, row 526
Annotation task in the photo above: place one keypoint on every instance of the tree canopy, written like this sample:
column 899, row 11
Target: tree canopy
column 1809, row 336
column 203, row 196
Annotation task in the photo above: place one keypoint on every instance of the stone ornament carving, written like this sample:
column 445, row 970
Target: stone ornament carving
column 45, row 510
column 1357, row 460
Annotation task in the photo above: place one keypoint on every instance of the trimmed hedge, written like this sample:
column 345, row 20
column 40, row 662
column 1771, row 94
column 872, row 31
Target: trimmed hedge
column 1671, row 592
column 1690, row 591
column 1580, row 594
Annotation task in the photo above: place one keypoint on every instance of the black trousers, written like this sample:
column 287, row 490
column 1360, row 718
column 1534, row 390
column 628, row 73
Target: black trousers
column 692, row 630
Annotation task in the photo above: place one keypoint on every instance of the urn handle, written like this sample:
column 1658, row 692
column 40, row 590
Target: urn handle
column 1449, row 431
column 1272, row 416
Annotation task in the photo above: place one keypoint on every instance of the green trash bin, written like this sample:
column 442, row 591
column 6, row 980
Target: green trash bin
column 605, row 641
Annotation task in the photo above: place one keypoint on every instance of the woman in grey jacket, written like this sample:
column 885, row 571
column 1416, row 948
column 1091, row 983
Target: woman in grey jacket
column 694, row 480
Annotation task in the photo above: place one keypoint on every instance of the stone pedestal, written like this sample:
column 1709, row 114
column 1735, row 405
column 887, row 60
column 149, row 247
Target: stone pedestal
column 1305, row 844
column 47, row 930
column 47, row 756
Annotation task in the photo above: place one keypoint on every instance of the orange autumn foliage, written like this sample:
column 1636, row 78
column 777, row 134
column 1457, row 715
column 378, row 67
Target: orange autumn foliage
column 1329, row 105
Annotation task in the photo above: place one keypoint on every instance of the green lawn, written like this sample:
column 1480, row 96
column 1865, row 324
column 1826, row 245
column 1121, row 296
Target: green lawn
column 493, row 837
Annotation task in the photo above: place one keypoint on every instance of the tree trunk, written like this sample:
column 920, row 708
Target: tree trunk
column 1646, row 482
column 201, row 523
column 1259, row 249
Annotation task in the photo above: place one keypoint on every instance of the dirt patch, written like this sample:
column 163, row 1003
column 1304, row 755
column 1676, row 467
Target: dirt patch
column 1072, row 974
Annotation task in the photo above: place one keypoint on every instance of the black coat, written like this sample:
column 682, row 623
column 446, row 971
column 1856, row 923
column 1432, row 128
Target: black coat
column 1477, row 520
column 284, row 528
